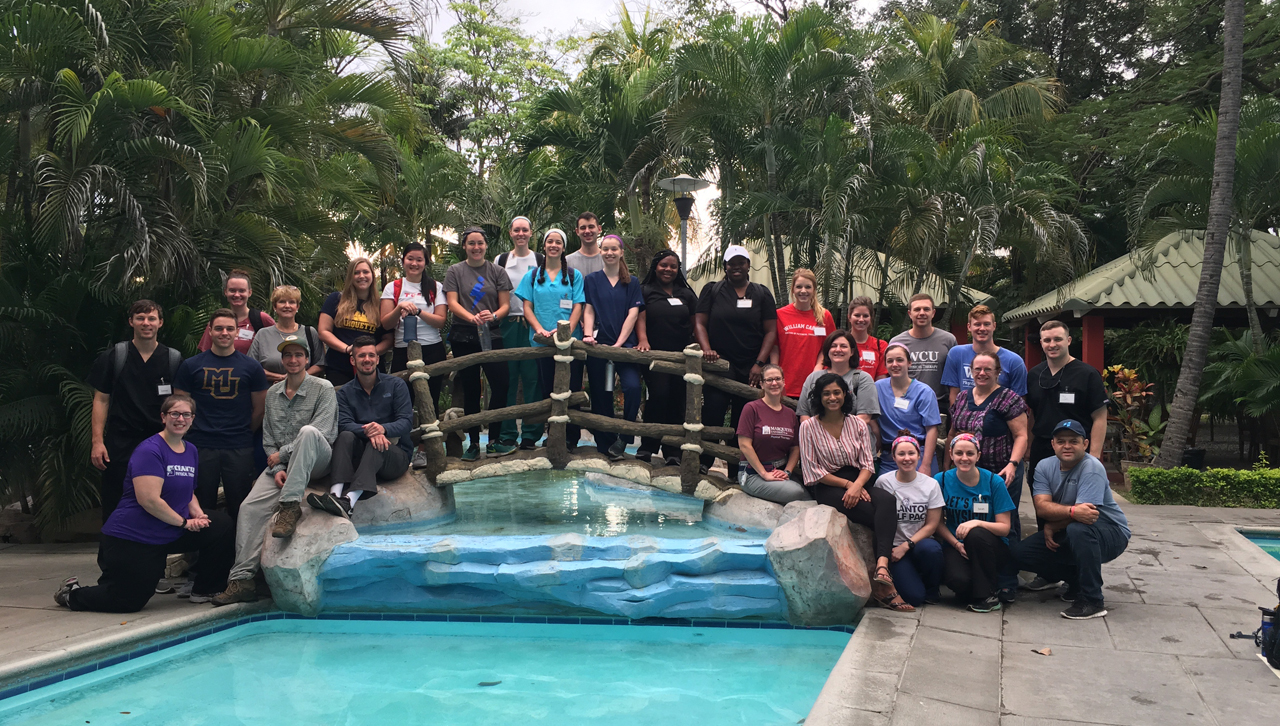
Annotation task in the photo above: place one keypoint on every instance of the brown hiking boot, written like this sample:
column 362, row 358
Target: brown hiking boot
column 237, row 591
column 287, row 516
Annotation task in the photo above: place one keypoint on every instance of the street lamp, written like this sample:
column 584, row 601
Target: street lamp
column 683, row 186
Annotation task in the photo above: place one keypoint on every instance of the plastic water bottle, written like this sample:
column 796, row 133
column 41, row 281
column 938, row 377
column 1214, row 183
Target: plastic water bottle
column 410, row 328
column 608, row 377
column 486, row 337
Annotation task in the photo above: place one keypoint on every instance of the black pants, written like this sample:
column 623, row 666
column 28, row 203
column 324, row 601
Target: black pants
column 664, row 404
column 431, row 353
column 499, row 378
column 112, row 487
column 1082, row 549
column 234, row 469
column 361, row 466
column 880, row 514
column 975, row 578
column 130, row 570
column 546, row 382
column 715, row 403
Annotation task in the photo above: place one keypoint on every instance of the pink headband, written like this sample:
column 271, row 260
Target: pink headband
column 621, row 244
column 965, row 437
column 906, row 437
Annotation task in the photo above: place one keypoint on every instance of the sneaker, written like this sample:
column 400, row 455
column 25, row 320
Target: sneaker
column 472, row 453
column 316, row 502
column 500, row 449
column 528, row 444
column 419, row 459
column 618, row 451
column 1007, row 595
column 990, row 604
column 1069, row 595
column 287, row 516
column 673, row 461
column 64, row 592
column 184, row 590
column 1084, row 610
column 338, row 506
column 1040, row 583
column 164, row 587
column 933, row 598
column 237, row 591
column 197, row 599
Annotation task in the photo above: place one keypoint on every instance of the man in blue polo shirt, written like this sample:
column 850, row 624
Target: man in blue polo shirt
column 982, row 328
column 1083, row 525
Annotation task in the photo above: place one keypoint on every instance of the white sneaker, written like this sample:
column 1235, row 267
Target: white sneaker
column 198, row 599
column 184, row 590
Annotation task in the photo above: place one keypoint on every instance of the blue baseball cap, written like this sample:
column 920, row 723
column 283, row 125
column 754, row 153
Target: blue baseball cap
column 1071, row 425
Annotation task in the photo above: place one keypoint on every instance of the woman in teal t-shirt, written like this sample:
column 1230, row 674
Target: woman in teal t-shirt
column 977, row 517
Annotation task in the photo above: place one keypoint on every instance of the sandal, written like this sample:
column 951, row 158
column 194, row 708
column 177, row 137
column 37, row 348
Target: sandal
column 894, row 602
column 886, row 578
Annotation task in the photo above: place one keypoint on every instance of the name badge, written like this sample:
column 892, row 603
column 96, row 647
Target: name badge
column 1066, row 398
column 243, row 334
column 566, row 304
column 744, row 303
column 675, row 301
column 869, row 355
column 981, row 507
column 164, row 389
column 819, row 330
column 902, row 403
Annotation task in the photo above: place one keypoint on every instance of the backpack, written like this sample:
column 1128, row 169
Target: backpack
column 257, row 321
column 501, row 260
column 430, row 295
column 314, row 343
column 120, row 354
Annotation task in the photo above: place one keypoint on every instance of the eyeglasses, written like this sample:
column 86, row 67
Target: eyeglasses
column 181, row 415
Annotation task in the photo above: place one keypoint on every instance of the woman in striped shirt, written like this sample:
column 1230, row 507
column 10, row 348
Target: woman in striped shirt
column 836, row 453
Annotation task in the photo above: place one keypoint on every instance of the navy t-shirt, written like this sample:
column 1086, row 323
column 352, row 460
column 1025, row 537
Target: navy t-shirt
column 153, row 457
column 612, row 303
column 223, row 389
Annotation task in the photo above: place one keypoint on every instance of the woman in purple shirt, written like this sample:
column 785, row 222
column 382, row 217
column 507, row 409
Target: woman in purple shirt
column 159, row 515
column 768, row 437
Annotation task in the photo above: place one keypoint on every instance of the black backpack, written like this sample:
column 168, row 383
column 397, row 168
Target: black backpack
column 120, row 353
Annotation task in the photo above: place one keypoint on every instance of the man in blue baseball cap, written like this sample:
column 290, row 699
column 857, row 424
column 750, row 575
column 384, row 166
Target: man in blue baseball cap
column 1083, row 528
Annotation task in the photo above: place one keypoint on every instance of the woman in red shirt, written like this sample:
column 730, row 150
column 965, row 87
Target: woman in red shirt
column 802, row 327
column 870, row 349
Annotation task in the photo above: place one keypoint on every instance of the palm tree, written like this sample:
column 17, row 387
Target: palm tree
column 1217, row 228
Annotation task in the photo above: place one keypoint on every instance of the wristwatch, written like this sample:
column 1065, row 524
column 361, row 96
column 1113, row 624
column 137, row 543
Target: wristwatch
column 911, row 545
column 762, row 363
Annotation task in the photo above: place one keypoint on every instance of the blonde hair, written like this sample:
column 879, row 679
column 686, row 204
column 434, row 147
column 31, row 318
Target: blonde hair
column 285, row 292
column 347, row 302
column 819, row 312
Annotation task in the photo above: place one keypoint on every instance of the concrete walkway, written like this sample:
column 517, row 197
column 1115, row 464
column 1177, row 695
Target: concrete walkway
column 1162, row 656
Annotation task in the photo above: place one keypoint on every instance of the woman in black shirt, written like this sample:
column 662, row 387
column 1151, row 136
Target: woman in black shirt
column 666, row 323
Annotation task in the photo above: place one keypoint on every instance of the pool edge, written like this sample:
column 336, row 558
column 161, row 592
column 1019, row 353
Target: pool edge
column 1231, row 538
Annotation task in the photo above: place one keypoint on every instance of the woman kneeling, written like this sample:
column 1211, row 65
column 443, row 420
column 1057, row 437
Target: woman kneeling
column 979, row 511
column 916, row 561
column 838, row 463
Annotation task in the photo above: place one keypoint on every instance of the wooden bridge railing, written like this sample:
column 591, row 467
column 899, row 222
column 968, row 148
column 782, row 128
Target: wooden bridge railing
column 561, row 406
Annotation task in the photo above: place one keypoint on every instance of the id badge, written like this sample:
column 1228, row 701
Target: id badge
column 901, row 403
column 869, row 355
column 744, row 303
column 820, row 330
column 1066, row 398
column 244, row 334
column 981, row 507
column 566, row 304
column 164, row 389
column 675, row 301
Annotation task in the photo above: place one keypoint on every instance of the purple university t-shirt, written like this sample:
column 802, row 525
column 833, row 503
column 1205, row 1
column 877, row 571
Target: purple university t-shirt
column 772, row 433
column 153, row 457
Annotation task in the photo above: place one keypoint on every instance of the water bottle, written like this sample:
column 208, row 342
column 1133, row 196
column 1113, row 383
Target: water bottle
column 410, row 328
column 486, row 338
column 608, row 377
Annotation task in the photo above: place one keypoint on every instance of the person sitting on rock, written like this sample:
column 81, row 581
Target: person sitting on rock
column 298, row 431
column 1083, row 525
column 770, row 449
column 977, row 529
column 375, row 418
column 916, row 562
column 836, row 455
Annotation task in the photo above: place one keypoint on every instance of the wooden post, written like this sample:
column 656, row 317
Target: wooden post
column 690, row 472
column 557, row 439
column 1091, row 346
column 425, row 410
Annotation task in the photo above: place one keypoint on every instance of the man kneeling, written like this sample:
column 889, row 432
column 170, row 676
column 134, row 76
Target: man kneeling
column 298, row 428
column 1083, row 528
column 375, row 417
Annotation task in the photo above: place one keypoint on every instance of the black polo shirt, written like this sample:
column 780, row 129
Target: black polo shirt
column 735, row 326
column 1075, row 393
column 669, row 325
column 134, row 413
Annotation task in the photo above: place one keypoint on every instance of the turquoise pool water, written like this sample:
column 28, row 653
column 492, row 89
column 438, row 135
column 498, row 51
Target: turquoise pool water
column 560, row 502
column 461, row 674
column 1270, row 545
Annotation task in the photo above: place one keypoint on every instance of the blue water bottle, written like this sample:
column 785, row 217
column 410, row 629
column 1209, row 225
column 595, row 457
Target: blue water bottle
column 410, row 328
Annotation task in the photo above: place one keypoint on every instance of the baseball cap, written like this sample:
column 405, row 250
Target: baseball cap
column 733, row 251
column 1071, row 425
column 289, row 340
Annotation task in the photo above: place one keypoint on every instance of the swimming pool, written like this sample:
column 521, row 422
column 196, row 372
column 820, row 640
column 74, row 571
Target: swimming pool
column 298, row 671
column 1270, row 545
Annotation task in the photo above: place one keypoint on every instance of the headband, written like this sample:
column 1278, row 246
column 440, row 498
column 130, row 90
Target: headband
column 965, row 437
column 621, row 244
column 905, row 437
column 526, row 219
column 553, row 230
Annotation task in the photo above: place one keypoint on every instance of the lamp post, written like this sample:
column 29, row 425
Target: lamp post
column 683, row 185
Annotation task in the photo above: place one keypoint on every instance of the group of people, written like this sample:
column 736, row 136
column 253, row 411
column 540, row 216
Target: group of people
column 867, row 434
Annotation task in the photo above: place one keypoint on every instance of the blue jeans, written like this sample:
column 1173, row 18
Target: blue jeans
column 602, row 400
column 1082, row 549
column 918, row 574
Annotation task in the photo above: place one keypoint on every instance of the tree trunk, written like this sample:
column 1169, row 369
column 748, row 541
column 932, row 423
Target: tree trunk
column 1244, row 257
column 1187, row 392
column 958, row 287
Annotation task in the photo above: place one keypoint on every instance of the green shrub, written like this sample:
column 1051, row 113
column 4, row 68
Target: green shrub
column 1257, row 488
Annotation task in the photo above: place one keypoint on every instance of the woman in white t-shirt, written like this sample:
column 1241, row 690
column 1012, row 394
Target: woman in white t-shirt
column 916, row 562
column 425, row 310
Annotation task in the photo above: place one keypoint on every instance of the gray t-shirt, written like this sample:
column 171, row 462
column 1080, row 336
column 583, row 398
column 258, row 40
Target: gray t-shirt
column 586, row 265
column 861, row 386
column 263, row 348
column 462, row 277
column 928, row 356
column 1086, row 483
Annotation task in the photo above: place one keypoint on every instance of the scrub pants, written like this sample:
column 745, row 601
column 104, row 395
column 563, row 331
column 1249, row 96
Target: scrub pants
column 715, row 403
column 664, row 404
column 112, row 487
column 602, row 400
column 515, row 334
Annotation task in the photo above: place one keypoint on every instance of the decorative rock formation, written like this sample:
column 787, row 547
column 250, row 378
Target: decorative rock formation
column 742, row 512
column 292, row 566
column 407, row 499
column 819, row 567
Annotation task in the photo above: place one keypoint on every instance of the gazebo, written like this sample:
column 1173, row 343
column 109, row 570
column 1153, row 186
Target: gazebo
column 1122, row 292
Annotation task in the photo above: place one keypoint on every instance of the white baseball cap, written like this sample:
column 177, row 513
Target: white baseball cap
column 733, row 251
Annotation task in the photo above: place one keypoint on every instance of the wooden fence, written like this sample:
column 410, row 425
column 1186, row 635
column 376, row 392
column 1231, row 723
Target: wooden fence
column 562, row 406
